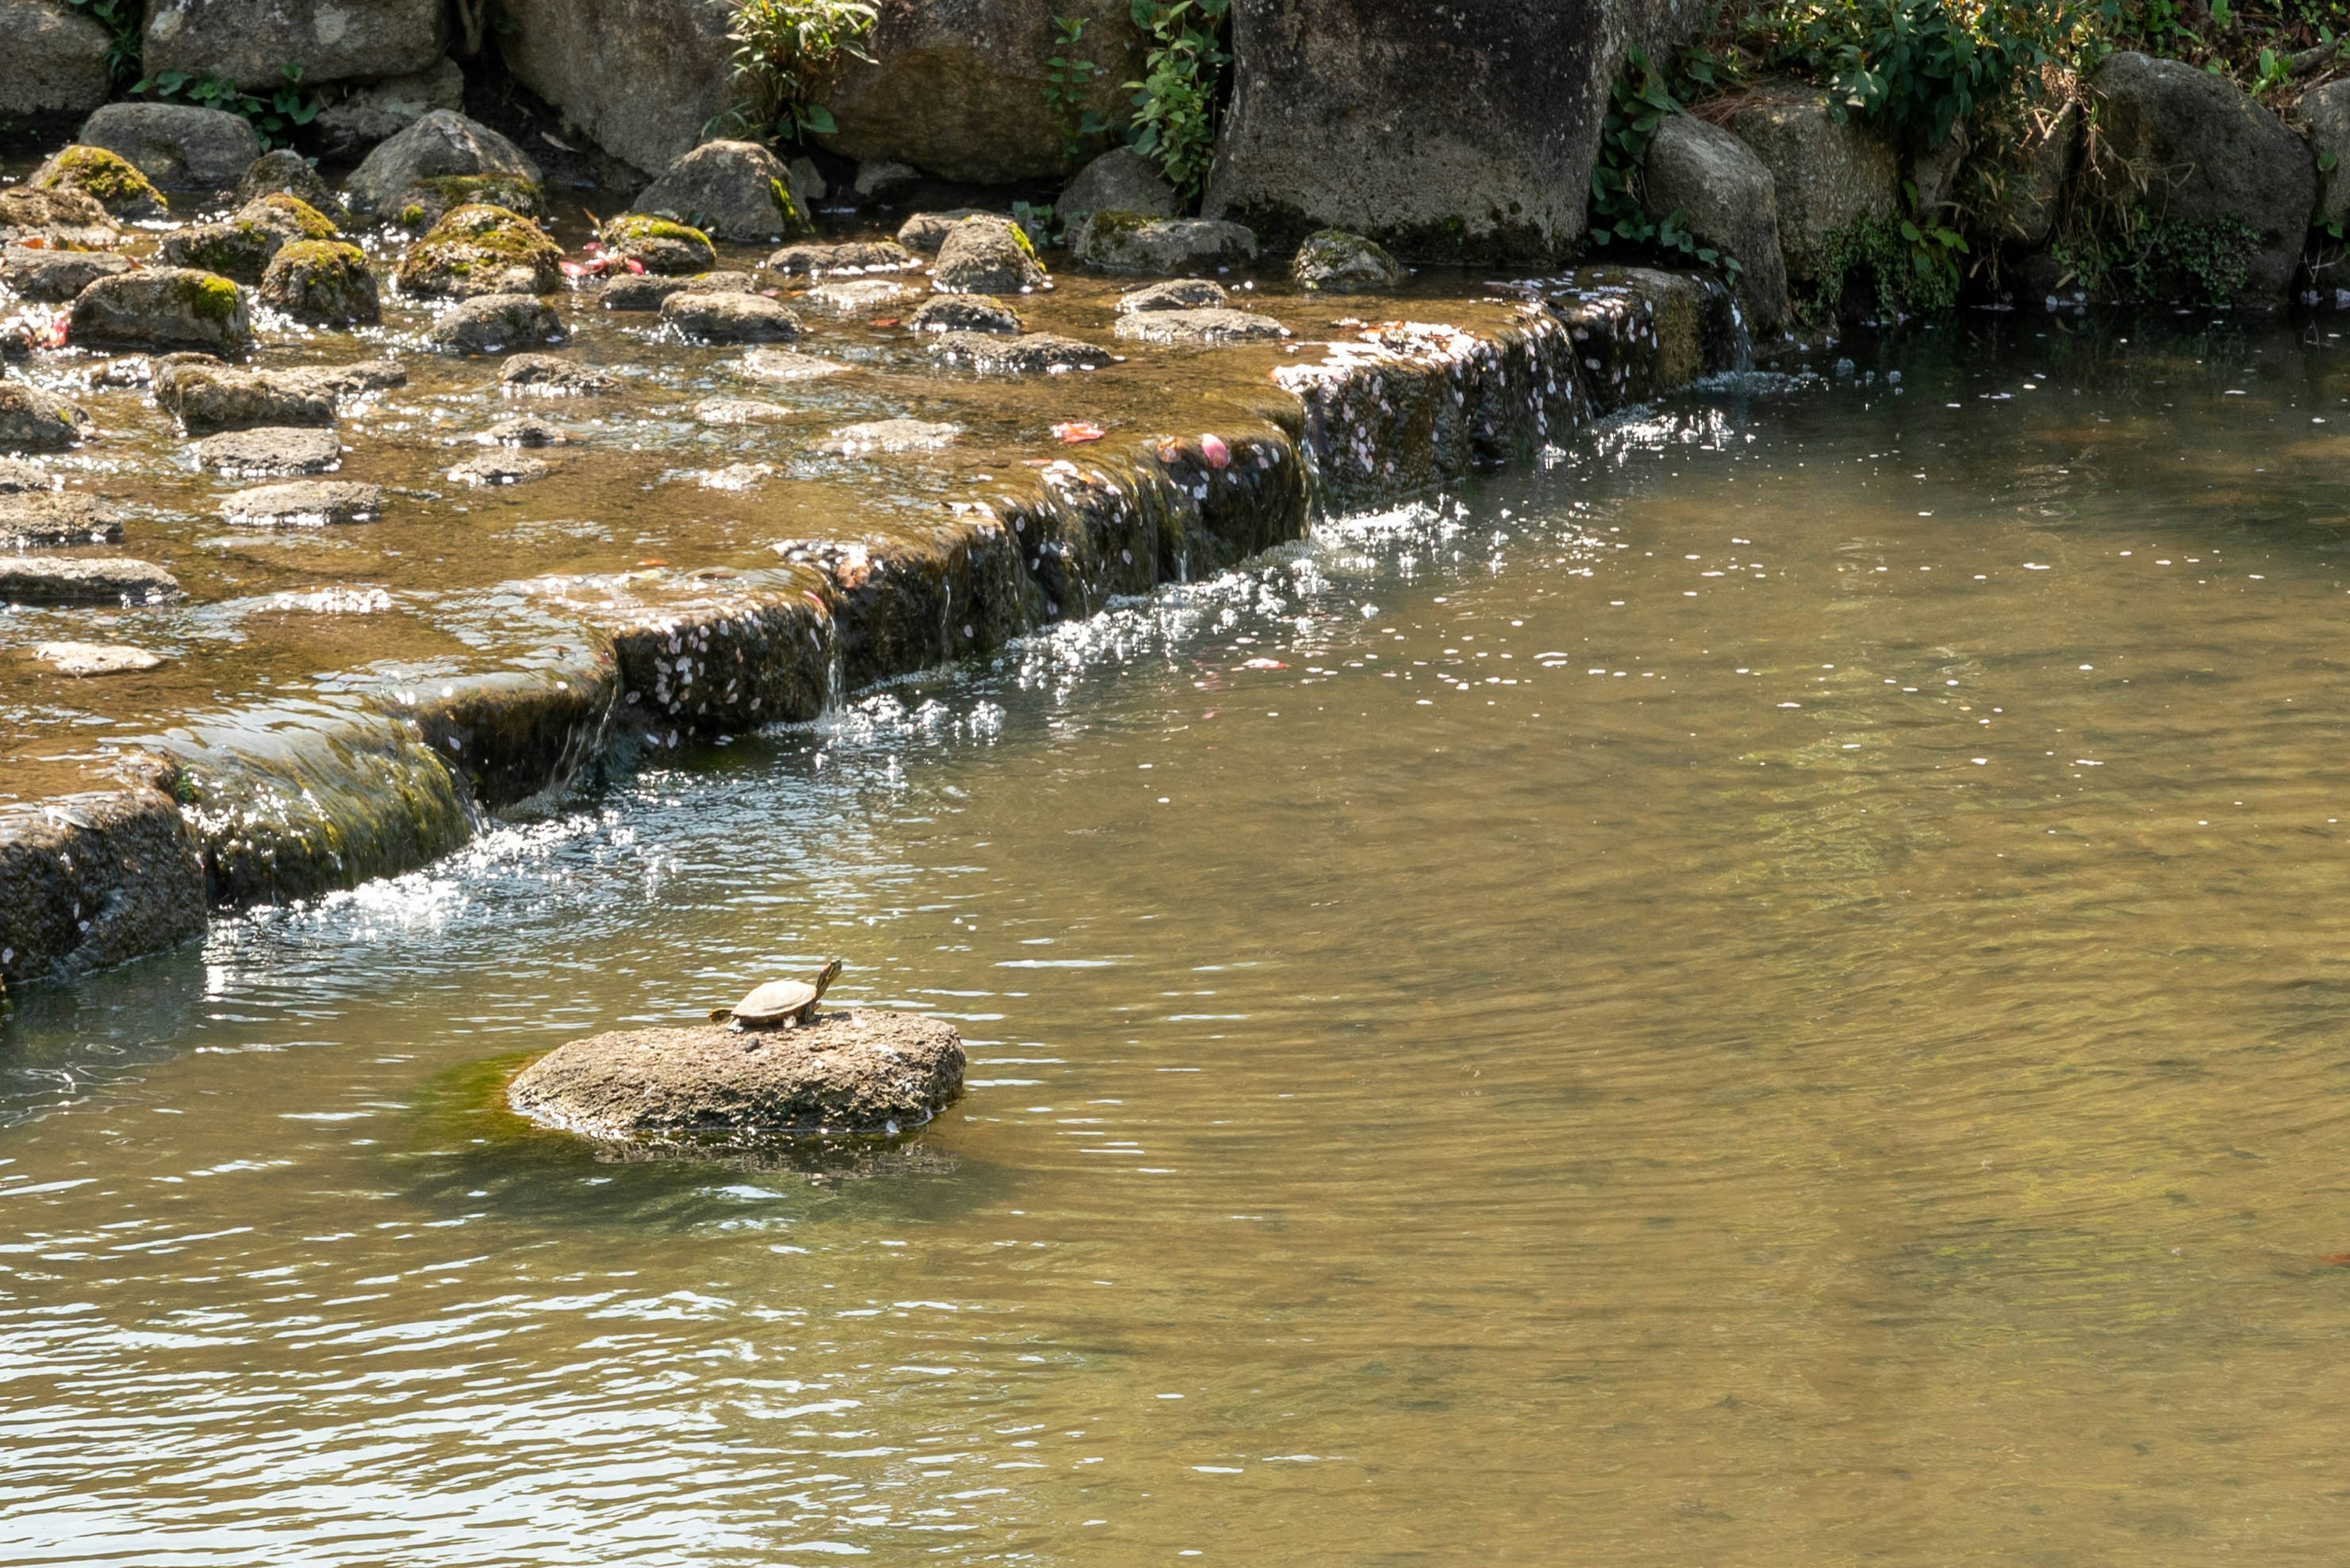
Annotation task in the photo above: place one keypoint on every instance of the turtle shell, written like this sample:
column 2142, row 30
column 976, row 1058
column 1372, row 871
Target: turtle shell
column 773, row 1002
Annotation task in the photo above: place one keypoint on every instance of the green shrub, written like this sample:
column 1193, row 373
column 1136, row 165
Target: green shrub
column 785, row 54
column 1175, row 103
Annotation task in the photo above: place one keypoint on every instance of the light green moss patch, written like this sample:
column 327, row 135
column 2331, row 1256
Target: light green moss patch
column 293, row 214
column 211, row 298
column 106, row 177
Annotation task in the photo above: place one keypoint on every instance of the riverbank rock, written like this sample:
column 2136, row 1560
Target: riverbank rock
column 848, row 260
column 304, row 503
column 176, row 145
column 2219, row 172
column 33, row 421
column 57, row 63
column 548, row 376
column 1119, row 180
column 107, row 178
column 640, row 77
column 242, row 245
column 251, row 42
column 56, row 276
column 407, row 170
column 735, row 191
column 164, row 308
column 479, row 250
column 1038, row 353
column 1335, row 262
column 282, row 171
column 208, row 398
column 364, row 115
column 658, row 244
column 965, row 313
column 2326, row 110
column 1827, row 175
column 986, row 255
column 1129, row 243
column 1726, row 198
column 1209, row 326
column 1175, row 294
column 324, row 282
column 926, row 231
column 84, row 580
column 488, row 323
column 856, row 1070
column 63, row 218
column 268, row 449
column 729, row 318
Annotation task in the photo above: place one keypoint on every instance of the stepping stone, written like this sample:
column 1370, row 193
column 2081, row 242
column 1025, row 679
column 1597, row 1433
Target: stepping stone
column 785, row 366
column 1038, row 351
column 548, row 376
column 1176, row 294
column 645, row 291
column 499, row 468
column 738, row 411
column 38, row 520
column 889, row 435
column 966, row 312
column 84, row 580
column 845, row 260
column 524, row 431
column 305, row 504
column 728, row 318
column 279, row 450
column 1200, row 327
column 353, row 379
column 95, row 658
column 855, row 296
column 20, row 478
column 492, row 323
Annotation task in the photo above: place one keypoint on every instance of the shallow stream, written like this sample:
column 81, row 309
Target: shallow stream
column 1771, row 993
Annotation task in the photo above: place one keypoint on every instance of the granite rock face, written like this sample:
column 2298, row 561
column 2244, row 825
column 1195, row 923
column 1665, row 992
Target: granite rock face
column 442, row 145
column 1826, row 175
column 377, row 111
column 640, row 77
column 56, row 61
column 728, row 190
column 1726, row 197
column 1129, row 243
column 250, row 42
column 178, row 146
column 1459, row 132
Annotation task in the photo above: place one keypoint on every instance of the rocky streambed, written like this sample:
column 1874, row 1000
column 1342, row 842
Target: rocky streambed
column 305, row 583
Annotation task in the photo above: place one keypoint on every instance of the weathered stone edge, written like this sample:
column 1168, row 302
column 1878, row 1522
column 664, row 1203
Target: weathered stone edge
column 92, row 881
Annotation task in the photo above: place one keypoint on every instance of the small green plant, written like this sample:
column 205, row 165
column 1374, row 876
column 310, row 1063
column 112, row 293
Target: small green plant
column 1034, row 220
column 1639, row 103
column 125, row 23
column 1066, row 80
column 1916, row 68
column 1175, row 103
column 276, row 118
column 785, row 54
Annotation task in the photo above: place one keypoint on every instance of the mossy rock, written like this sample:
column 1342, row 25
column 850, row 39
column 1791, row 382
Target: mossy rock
column 163, row 308
column 107, row 178
column 241, row 246
column 325, row 282
column 658, row 244
column 480, row 250
column 1335, row 262
column 286, row 172
column 424, row 203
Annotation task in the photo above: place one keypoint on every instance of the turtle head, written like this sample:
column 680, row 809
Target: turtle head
column 830, row 972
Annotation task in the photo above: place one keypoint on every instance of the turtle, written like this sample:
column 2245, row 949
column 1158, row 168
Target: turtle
column 779, row 1002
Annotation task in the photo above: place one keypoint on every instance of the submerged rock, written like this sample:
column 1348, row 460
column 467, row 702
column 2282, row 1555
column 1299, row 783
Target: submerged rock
column 211, row 398
column 107, row 178
column 357, row 379
column 550, row 376
column 728, row 318
column 986, row 255
column 785, row 366
column 267, row 450
column 178, row 146
column 1725, row 197
column 477, row 250
column 1130, row 243
column 83, row 580
column 304, row 503
column 1119, row 180
column 861, row 1071
column 739, row 412
column 86, row 658
column 1036, row 352
column 33, row 421
column 1335, row 262
column 243, row 246
column 164, row 308
column 730, row 191
column 442, row 145
column 1210, row 325
column 889, row 435
column 645, row 291
column 499, row 468
column 46, row 519
column 1176, row 294
column 324, row 282
column 285, row 172
column 56, row 276
column 849, row 259
column 965, row 313
column 853, row 296
column 658, row 244
column 491, row 322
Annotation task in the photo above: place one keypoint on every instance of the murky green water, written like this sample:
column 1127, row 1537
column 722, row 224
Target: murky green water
column 1774, row 994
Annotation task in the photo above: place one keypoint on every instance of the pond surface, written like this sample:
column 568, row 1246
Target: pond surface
column 1773, row 993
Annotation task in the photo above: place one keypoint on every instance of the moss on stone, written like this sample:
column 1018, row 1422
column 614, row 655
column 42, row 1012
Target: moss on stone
column 484, row 240
column 210, row 298
column 106, row 177
column 647, row 226
column 293, row 213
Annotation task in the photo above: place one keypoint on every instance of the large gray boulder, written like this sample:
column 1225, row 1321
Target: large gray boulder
column 1723, row 192
column 251, row 42
column 986, row 255
column 1129, row 242
column 1119, row 180
column 56, row 61
column 1457, row 132
column 176, row 145
column 209, row 399
column 2213, row 163
column 1826, row 175
column 728, row 190
column 640, row 77
column 494, row 323
column 442, row 145
column 369, row 113
column 2326, row 109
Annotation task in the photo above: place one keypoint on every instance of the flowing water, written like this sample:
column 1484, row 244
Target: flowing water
column 1772, row 993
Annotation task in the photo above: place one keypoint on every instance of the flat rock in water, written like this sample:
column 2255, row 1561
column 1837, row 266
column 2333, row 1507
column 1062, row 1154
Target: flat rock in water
column 550, row 376
column 855, row 295
column 94, row 658
column 270, row 451
column 33, row 421
column 1175, row 294
column 525, row 431
column 1212, row 325
column 783, row 365
column 83, row 580
column 645, row 291
column 353, row 379
column 738, row 411
column 860, row 1071
column 56, row 276
column 966, row 312
column 730, row 317
column 43, row 519
column 492, row 323
column 499, row 468
column 846, row 260
column 18, row 477
column 1038, row 351
column 889, row 435
column 304, row 503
